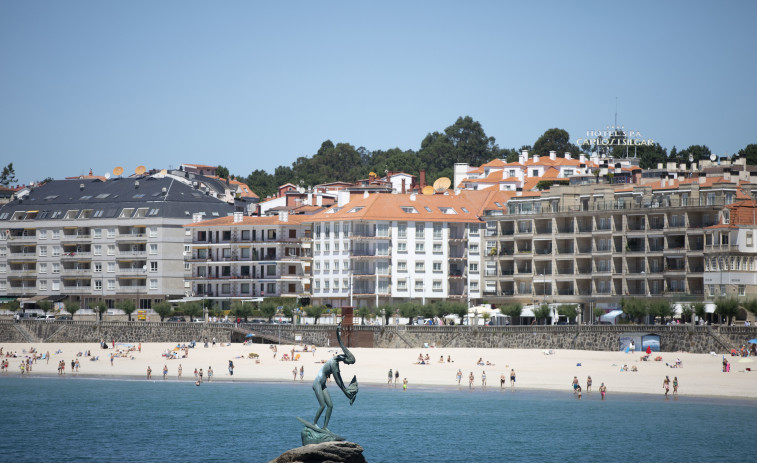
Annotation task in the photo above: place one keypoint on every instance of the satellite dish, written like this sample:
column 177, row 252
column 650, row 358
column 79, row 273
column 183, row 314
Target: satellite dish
column 107, row 175
column 118, row 170
column 163, row 171
column 140, row 170
column 428, row 190
column 442, row 184
column 713, row 157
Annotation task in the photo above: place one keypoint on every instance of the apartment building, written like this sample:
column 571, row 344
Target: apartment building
column 377, row 249
column 240, row 257
column 673, row 238
column 94, row 240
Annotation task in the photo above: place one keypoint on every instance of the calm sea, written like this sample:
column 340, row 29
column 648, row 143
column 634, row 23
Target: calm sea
column 53, row 419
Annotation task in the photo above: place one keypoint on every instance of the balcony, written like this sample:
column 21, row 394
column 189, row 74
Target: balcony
column 721, row 248
column 131, row 237
column 75, row 255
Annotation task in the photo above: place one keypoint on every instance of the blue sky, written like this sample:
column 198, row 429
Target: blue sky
column 254, row 85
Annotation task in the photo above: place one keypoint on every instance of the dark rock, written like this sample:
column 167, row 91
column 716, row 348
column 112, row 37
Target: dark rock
column 327, row 452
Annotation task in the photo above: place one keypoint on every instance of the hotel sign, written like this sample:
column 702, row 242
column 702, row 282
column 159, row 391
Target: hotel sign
column 614, row 136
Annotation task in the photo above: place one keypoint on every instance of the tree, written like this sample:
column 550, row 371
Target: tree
column 555, row 140
column 127, row 306
column 222, row 172
column 163, row 309
column 686, row 313
column 387, row 311
column 363, row 312
column 268, row 309
column 661, row 309
column 568, row 311
column 241, row 310
column 8, row 175
column 315, row 312
column 486, row 316
column 409, row 310
column 727, row 308
column 636, row 309
column 71, row 307
column 192, row 309
column 649, row 155
column 458, row 308
column 699, row 311
column 751, row 306
column 513, row 311
column 542, row 313
column 750, row 151
column 100, row 307
column 597, row 312
column 12, row 306
column 697, row 152
column 288, row 312
column 45, row 306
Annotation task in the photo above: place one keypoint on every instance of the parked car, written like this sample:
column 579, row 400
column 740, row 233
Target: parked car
column 65, row 318
column 198, row 320
column 176, row 319
column 49, row 317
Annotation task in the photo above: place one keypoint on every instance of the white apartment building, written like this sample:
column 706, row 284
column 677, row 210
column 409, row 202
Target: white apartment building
column 386, row 248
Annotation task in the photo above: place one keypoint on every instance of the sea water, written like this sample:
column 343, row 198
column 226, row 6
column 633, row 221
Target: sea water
column 104, row 420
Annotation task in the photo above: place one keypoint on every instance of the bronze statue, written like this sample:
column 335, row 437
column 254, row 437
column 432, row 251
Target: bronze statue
column 312, row 433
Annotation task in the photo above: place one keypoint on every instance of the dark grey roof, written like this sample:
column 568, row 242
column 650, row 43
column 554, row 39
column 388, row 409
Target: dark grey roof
column 107, row 199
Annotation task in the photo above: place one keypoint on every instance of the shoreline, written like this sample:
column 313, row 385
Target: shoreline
column 700, row 375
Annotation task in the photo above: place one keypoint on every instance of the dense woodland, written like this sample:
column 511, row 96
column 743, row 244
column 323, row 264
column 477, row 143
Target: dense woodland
column 463, row 141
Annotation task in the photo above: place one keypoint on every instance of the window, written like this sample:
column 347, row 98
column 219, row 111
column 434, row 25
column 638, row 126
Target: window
column 56, row 234
column 98, row 285
column 98, row 233
column 111, row 249
column 437, row 248
column 336, row 285
column 43, row 234
column 187, row 266
column 97, row 250
column 345, row 283
column 317, row 285
column 111, row 233
column 420, row 267
column 98, row 267
column 382, row 230
column 402, row 247
column 742, row 290
column 336, row 266
column 568, row 172
column 4, row 251
column 4, row 268
column 111, row 285
column 420, row 228
column 437, row 267
column 3, row 283
column 317, row 265
column 749, row 241
column 401, row 285
column 56, row 267
column 42, row 251
column 317, row 247
column 41, row 268
column 327, row 266
column 408, row 209
column 473, row 267
column 153, row 266
column 436, row 286
column 402, row 230
column 326, row 285
column 402, row 266
column 437, row 231
column 474, row 249
column 535, row 173
column 326, row 247
column 153, row 232
column 43, row 285
column 419, row 248
column 722, row 290
column 56, row 285
column 345, row 265
column 474, row 285
column 473, row 227
column 336, row 246
column 111, row 267
column 154, row 285
column 419, row 285
column 270, row 270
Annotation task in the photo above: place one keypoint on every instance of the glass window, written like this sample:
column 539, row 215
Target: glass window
column 111, row 267
column 154, row 285
column 420, row 267
column 153, row 266
column 437, row 248
column 420, row 228
column 98, row 267
column 111, row 249
column 437, row 267
column 154, row 250
column 419, row 248
column 42, row 251
column 437, row 231
column 111, row 285
column 402, row 247
column 98, row 285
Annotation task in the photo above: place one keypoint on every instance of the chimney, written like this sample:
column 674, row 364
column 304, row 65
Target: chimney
column 412, row 197
column 238, row 217
column 423, row 179
column 727, row 174
column 284, row 216
column 536, row 158
column 164, row 191
column 371, row 177
column 365, row 194
column 582, row 158
column 519, row 191
column 568, row 155
column 81, row 186
column 702, row 178
column 553, row 155
column 523, row 157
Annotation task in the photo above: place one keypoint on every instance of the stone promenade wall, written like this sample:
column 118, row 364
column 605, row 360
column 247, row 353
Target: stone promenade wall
column 699, row 339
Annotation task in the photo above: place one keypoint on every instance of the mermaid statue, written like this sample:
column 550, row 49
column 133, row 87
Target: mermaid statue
column 312, row 433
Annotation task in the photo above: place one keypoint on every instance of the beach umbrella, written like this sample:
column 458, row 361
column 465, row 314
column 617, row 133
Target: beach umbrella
column 249, row 335
column 753, row 341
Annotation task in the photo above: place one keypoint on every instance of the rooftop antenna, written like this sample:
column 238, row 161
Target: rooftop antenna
column 107, row 175
column 140, row 170
column 118, row 171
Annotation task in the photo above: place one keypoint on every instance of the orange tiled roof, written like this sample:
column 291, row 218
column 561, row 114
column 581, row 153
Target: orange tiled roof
column 743, row 212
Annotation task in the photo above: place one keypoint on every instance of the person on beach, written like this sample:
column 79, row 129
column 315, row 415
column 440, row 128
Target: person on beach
column 302, row 372
column 588, row 384
column 139, row 348
column 459, row 376
column 179, row 370
column 502, row 381
column 149, row 372
column 73, row 365
column 675, row 386
column 165, row 372
column 201, row 374
column 666, row 386
column 575, row 384
column 214, row 341
column 396, row 376
column 483, row 379
column 210, row 373
column 603, row 390
column 512, row 378
column 389, row 377
column 111, row 359
column 47, row 356
column 231, row 368
column 470, row 380
column 404, row 385
column 294, row 373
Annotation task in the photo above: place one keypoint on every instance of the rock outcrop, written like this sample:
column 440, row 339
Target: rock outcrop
column 327, row 452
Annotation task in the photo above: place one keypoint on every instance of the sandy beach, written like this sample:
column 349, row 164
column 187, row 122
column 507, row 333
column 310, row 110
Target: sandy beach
column 700, row 374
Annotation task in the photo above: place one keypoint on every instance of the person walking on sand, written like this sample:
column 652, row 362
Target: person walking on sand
column 179, row 371
column 483, row 379
column 196, row 373
column 294, row 373
column 575, row 384
column 165, row 372
column 210, row 373
column 512, row 378
column 470, row 380
column 459, row 376
column 404, row 385
column 675, row 386
column 140, row 348
column 149, row 372
column 231, row 368
column 588, row 384
column 666, row 385
column 302, row 372
column 389, row 377
column 396, row 376
column 603, row 390
column 201, row 374
column 47, row 356
column 502, row 380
